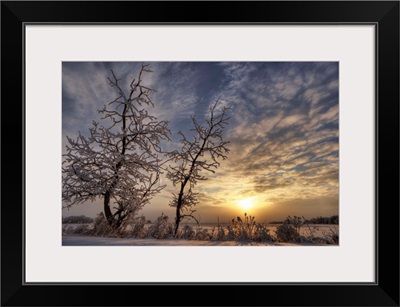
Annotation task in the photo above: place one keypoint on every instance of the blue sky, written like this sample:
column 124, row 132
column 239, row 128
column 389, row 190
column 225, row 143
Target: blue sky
column 283, row 131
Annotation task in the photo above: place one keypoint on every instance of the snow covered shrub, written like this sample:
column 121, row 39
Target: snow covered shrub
column 296, row 222
column 202, row 234
column 335, row 238
column 138, row 228
column 287, row 233
column 241, row 230
column 247, row 229
column 314, row 236
column 186, row 232
column 161, row 228
column 231, row 231
column 66, row 230
column 219, row 233
column 101, row 227
column 261, row 233
column 332, row 237
column 81, row 229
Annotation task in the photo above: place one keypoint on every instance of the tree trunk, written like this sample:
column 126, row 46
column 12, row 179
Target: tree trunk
column 179, row 206
column 107, row 210
column 177, row 218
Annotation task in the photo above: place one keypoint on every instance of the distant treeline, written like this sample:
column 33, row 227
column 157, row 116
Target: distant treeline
column 77, row 219
column 334, row 219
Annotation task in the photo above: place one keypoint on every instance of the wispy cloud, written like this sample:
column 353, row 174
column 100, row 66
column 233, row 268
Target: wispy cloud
column 283, row 131
column 284, row 135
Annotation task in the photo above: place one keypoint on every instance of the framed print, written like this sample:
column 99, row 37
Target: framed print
column 244, row 147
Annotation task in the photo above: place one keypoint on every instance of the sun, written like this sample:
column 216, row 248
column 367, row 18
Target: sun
column 246, row 203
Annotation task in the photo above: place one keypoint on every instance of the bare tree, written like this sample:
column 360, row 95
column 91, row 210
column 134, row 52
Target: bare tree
column 201, row 153
column 118, row 162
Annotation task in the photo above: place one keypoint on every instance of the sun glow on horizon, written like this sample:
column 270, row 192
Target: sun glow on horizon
column 246, row 203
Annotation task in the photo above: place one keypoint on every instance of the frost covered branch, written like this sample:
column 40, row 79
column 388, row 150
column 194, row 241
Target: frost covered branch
column 201, row 153
column 119, row 161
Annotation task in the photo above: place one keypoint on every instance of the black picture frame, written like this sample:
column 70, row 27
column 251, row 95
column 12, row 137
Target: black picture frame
column 383, row 14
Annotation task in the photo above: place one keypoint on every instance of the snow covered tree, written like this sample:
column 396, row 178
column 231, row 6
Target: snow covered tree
column 119, row 161
column 200, row 153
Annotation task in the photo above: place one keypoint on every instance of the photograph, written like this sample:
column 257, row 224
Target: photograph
column 217, row 153
column 200, row 153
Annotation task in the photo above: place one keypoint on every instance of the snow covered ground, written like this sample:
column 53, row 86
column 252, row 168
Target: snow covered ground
column 77, row 240
column 316, row 229
column 71, row 239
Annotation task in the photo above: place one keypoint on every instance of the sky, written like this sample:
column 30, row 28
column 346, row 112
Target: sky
column 283, row 131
